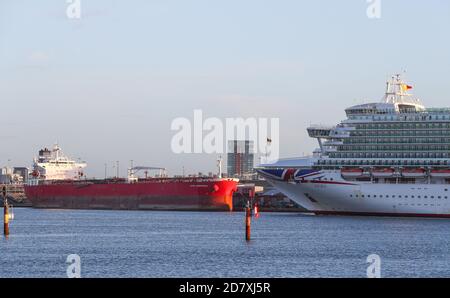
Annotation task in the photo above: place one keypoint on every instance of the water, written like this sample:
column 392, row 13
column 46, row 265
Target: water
column 211, row 244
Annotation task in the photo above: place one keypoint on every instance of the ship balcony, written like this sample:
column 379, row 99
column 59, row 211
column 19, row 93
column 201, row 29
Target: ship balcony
column 319, row 132
column 342, row 127
column 333, row 143
column 330, row 149
column 339, row 135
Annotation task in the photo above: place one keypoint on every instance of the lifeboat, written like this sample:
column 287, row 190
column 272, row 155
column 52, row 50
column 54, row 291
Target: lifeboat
column 383, row 172
column 414, row 172
column 444, row 173
column 352, row 172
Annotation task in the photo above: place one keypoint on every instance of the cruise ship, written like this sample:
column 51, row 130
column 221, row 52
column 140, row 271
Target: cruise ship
column 388, row 158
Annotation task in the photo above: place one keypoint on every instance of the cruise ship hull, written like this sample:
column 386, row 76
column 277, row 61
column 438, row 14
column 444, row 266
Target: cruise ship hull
column 150, row 194
column 327, row 193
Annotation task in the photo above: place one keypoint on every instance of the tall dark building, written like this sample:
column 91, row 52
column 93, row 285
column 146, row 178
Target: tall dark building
column 240, row 158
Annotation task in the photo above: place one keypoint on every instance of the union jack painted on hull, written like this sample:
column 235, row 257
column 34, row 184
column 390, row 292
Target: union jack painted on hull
column 289, row 173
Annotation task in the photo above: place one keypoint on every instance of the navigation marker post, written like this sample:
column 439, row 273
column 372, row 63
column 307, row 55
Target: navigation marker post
column 248, row 221
column 5, row 213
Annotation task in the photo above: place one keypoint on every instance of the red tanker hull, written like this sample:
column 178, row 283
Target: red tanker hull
column 147, row 194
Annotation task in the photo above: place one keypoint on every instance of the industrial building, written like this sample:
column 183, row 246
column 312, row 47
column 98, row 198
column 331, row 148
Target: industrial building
column 240, row 159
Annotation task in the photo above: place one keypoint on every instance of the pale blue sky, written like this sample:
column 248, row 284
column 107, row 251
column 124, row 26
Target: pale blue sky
column 108, row 85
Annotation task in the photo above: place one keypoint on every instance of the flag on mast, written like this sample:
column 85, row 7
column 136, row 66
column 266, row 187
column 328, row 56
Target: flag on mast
column 406, row 87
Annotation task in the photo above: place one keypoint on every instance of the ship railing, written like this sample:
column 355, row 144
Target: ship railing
column 32, row 181
column 125, row 180
column 322, row 126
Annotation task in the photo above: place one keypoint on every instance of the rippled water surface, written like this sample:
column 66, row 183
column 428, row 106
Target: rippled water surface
column 211, row 244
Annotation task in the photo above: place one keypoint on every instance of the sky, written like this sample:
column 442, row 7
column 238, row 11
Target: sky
column 108, row 85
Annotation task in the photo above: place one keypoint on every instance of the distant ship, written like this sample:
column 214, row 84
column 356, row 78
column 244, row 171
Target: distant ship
column 389, row 158
column 58, row 182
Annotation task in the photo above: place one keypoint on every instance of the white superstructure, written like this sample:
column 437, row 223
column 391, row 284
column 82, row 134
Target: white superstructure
column 54, row 165
column 386, row 158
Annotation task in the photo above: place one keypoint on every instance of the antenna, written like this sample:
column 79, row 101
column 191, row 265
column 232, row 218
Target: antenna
column 219, row 166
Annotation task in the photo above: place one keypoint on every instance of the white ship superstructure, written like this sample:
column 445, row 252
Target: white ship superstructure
column 54, row 165
column 387, row 158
